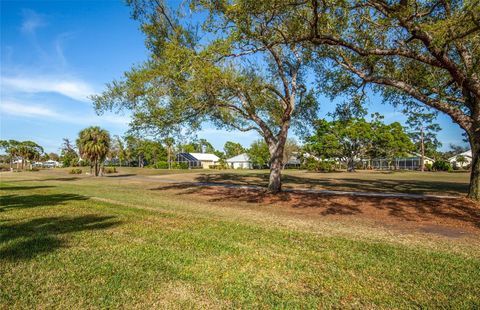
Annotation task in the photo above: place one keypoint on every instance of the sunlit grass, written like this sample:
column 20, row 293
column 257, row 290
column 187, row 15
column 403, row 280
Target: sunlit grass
column 83, row 243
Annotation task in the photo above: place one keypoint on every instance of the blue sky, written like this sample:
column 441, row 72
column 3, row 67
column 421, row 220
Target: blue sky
column 54, row 54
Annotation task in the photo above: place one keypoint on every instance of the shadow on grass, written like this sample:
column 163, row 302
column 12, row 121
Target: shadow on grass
column 349, row 183
column 388, row 208
column 120, row 175
column 21, row 188
column 11, row 202
column 26, row 240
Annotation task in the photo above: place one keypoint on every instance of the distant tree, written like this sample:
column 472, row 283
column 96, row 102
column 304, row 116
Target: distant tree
column 291, row 147
column 11, row 148
column 53, row 156
column 199, row 146
column 68, row 154
column 145, row 150
column 169, row 144
column 423, row 131
column 233, row 149
column 389, row 141
column 259, row 154
column 461, row 160
column 28, row 151
column 351, row 139
column 348, row 140
column 94, row 144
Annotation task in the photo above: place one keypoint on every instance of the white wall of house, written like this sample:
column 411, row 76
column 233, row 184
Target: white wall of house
column 240, row 162
column 468, row 159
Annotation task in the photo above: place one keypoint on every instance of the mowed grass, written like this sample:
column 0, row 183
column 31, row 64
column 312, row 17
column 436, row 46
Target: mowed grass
column 68, row 242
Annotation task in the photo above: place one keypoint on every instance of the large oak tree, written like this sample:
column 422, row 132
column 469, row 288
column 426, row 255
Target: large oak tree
column 237, row 72
column 425, row 50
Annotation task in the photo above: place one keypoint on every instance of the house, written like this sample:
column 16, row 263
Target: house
column 197, row 160
column 241, row 161
column 294, row 161
column 51, row 164
column 466, row 155
column 410, row 162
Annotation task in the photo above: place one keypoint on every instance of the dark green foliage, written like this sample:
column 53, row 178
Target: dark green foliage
column 75, row 171
column 441, row 165
column 259, row 154
column 233, row 149
column 312, row 164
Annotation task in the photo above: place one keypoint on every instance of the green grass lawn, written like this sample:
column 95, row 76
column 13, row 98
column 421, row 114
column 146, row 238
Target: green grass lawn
column 82, row 242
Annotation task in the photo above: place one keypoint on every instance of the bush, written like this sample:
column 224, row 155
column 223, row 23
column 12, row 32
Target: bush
column 218, row 167
column 428, row 167
column 441, row 165
column 75, row 171
column 175, row 165
column 161, row 165
column 108, row 170
column 319, row 166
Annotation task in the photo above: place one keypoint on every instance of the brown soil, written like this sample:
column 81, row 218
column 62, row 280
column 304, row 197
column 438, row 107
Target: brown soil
column 446, row 217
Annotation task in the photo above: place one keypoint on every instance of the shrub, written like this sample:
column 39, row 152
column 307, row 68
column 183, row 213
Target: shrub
column 319, row 166
column 75, row 171
column 174, row 165
column 108, row 170
column 428, row 167
column 161, row 165
column 441, row 165
column 218, row 167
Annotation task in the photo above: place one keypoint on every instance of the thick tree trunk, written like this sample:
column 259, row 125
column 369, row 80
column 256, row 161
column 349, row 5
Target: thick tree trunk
column 350, row 165
column 474, row 188
column 275, row 180
column 276, row 163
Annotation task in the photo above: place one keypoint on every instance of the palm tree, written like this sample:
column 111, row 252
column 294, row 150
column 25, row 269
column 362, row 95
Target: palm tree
column 94, row 144
column 461, row 160
column 28, row 150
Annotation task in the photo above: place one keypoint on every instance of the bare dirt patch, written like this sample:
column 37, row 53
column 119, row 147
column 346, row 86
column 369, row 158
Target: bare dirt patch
column 453, row 218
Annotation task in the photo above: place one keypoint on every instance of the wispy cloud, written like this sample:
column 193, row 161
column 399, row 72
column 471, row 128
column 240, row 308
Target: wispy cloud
column 19, row 109
column 44, row 112
column 32, row 21
column 75, row 89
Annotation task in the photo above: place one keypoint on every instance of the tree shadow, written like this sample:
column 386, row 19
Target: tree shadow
column 21, row 188
column 406, row 209
column 120, row 175
column 349, row 183
column 11, row 202
column 28, row 239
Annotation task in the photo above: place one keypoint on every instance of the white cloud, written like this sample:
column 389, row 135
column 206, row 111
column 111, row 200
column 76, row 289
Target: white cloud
column 32, row 21
column 19, row 109
column 75, row 89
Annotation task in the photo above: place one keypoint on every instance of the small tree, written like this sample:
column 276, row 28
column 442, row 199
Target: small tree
column 68, row 155
column 11, row 148
column 461, row 160
column 29, row 150
column 423, row 131
column 94, row 145
column 259, row 154
column 233, row 149
column 347, row 140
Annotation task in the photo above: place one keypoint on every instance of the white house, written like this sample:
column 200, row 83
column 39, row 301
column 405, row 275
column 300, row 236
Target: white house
column 197, row 160
column 466, row 155
column 241, row 161
column 51, row 164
